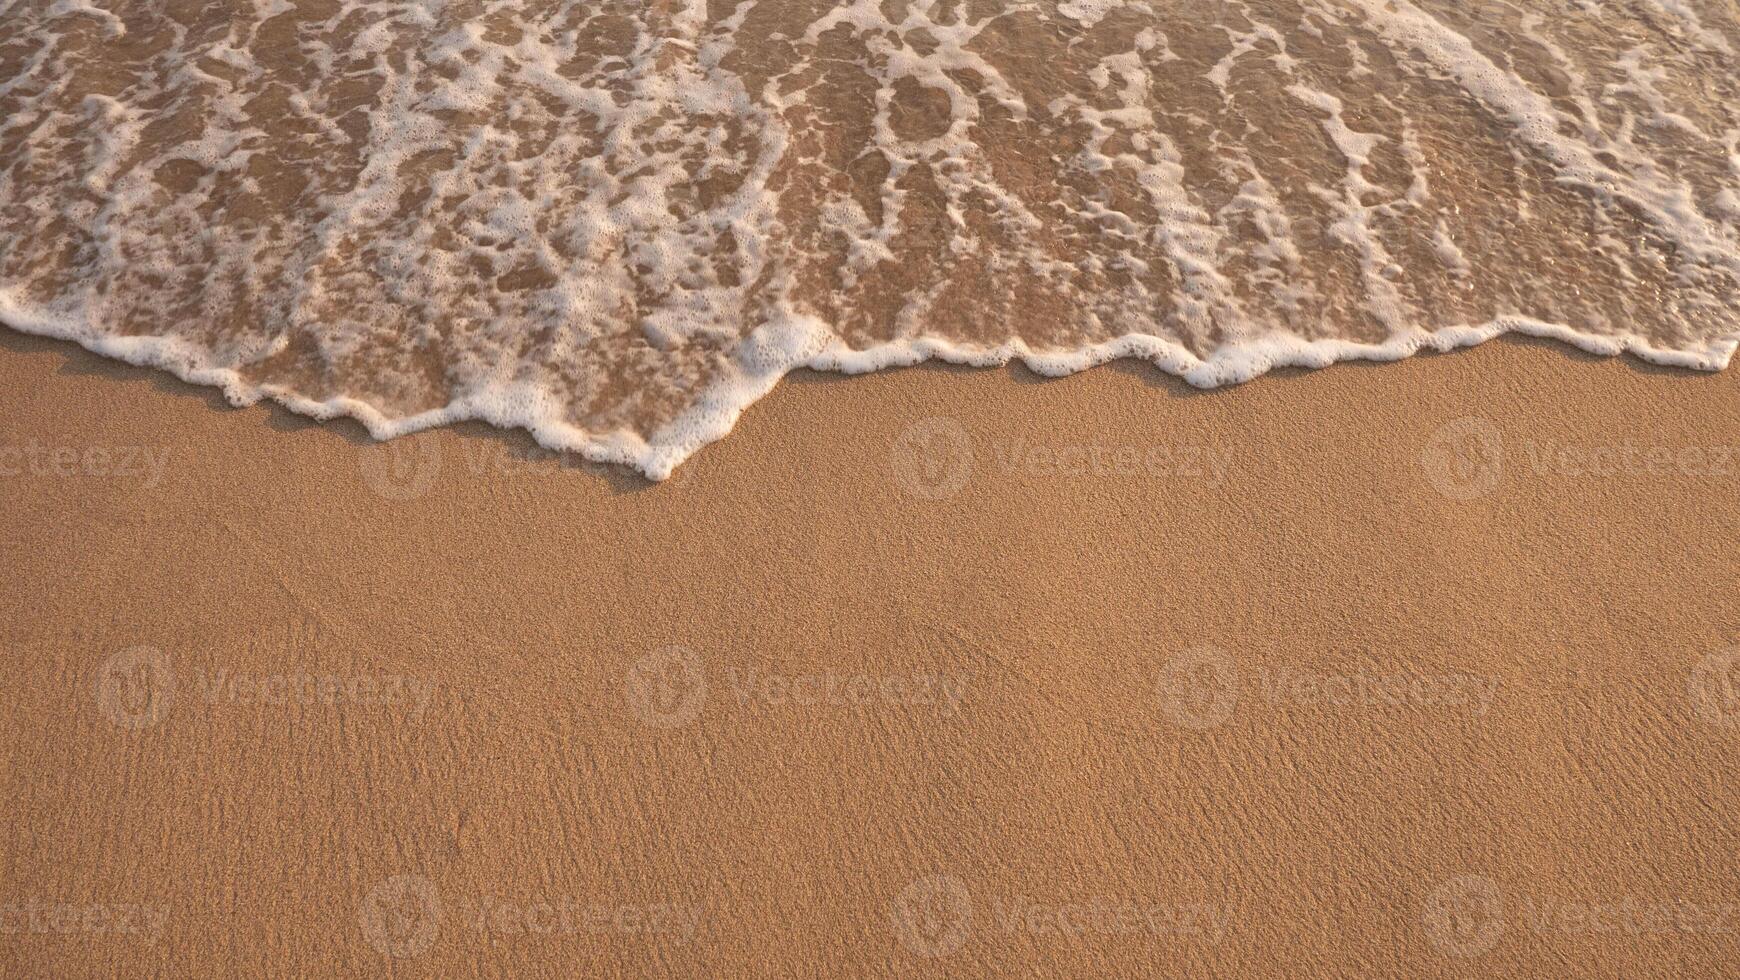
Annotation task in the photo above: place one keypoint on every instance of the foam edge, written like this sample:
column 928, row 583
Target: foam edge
column 775, row 350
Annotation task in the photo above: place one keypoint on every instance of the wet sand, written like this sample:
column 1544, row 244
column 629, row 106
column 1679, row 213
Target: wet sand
column 1422, row 670
column 618, row 224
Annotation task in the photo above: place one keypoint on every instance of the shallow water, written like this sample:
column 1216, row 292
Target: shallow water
column 618, row 223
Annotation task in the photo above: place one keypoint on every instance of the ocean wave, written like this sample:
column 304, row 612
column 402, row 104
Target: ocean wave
column 616, row 225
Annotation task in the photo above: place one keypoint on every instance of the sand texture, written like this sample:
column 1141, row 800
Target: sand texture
column 1421, row 670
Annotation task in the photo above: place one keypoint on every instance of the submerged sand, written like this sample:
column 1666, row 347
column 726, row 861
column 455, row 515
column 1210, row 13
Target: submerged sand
column 1422, row 670
column 618, row 224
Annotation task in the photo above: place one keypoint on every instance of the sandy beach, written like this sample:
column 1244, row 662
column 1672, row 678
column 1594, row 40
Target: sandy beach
column 1425, row 669
column 688, row 629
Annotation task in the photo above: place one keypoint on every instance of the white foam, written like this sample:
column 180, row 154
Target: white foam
column 1669, row 204
column 1175, row 232
column 777, row 349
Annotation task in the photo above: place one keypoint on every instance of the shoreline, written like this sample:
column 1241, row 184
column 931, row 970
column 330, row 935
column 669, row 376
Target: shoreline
column 920, row 671
column 715, row 414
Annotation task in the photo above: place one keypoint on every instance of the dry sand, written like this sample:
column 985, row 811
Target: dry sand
column 1434, row 678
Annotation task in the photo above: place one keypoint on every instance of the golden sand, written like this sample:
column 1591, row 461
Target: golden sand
column 1432, row 674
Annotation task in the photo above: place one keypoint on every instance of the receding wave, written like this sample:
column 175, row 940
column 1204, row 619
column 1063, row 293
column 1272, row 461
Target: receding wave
column 618, row 222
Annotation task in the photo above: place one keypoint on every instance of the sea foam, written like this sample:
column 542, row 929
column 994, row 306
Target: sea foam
column 616, row 225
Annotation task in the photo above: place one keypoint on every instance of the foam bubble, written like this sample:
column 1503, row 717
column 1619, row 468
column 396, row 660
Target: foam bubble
column 617, row 225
